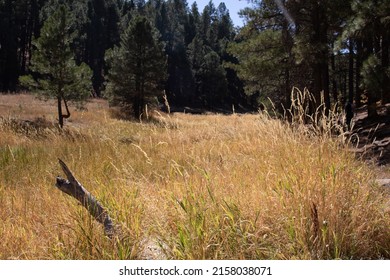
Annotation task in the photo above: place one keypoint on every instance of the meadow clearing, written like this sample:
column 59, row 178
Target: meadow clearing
column 184, row 187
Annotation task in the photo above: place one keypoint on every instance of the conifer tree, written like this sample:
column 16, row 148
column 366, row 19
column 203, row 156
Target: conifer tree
column 262, row 52
column 179, row 83
column 56, row 74
column 369, row 25
column 213, row 76
column 137, row 67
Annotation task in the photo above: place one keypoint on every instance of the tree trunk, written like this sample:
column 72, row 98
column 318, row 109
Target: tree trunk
column 350, row 73
column 320, row 66
column 325, row 83
column 288, row 43
column 345, row 90
column 385, row 65
column 60, row 116
column 66, row 108
column 358, row 65
column 334, row 81
column 368, row 49
column 371, row 106
column 137, row 107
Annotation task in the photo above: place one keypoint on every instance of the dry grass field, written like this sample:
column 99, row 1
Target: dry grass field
column 184, row 187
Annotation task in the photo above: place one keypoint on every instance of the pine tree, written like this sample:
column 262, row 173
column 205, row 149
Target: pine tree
column 137, row 68
column 369, row 26
column 192, row 25
column 214, row 84
column 263, row 52
column 179, row 84
column 56, row 74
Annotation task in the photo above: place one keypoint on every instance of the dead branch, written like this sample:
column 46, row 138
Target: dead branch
column 66, row 108
column 73, row 188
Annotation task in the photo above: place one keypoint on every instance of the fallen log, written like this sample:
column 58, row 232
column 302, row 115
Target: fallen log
column 73, row 188
column 383, row 182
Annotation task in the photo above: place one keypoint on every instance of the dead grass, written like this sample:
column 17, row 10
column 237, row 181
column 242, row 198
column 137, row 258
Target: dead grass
column 202, row 187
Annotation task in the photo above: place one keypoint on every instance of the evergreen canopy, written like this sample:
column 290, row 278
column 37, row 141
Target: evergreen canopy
column 137, row 67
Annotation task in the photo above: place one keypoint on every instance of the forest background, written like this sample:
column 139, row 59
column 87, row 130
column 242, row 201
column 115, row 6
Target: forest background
column 338, row 50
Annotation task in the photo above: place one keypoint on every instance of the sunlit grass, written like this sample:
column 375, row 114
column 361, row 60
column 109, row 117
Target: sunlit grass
column 195, row 187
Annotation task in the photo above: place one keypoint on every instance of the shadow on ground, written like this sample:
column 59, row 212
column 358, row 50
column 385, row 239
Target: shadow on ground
column 373, row 135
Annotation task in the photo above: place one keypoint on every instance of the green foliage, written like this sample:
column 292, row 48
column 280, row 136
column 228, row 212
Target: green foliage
column 262, row 61
column 56, row 75
column 304, row 44
column 372, row 76
column 264, row 55
column 138, row 67
column 213, row 80
column 370, row 25
column 208, row 72
column 97, row 25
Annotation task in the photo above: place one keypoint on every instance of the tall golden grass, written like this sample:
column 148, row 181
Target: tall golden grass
column 186, row 187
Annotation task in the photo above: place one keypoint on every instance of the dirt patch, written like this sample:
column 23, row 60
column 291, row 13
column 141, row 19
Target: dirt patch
column 372, row 136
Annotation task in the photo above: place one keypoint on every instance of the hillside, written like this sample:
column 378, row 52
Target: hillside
column 184, row 187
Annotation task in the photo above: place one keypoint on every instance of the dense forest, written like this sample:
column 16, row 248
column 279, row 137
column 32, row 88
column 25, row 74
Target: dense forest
column 338, row 50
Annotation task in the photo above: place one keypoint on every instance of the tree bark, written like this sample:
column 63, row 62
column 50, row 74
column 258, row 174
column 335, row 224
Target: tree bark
column 60, row 116
column 334, row 81
column 321, row 60
column 350, row 72
column 66, row 108
column 73, row 188
column 385, row 65
column 358, row 64
column 368, row 49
